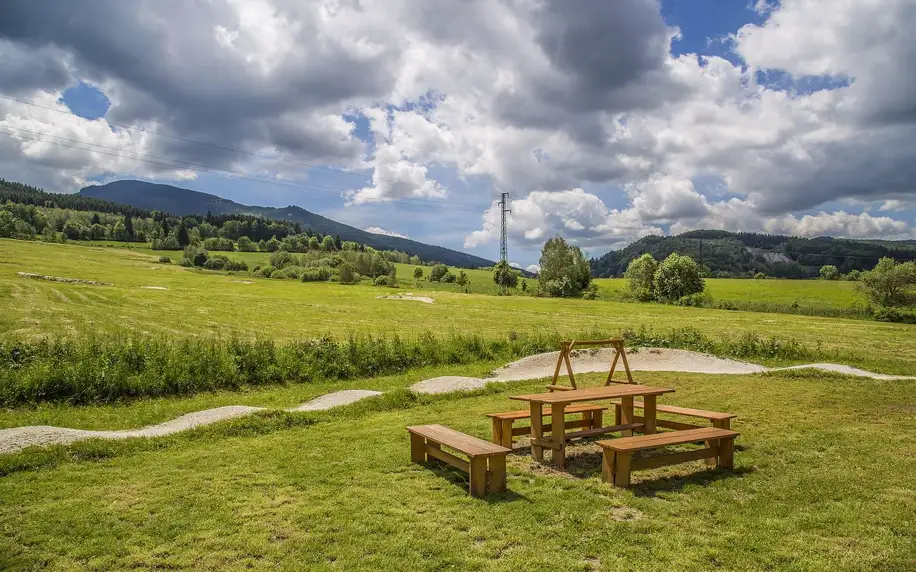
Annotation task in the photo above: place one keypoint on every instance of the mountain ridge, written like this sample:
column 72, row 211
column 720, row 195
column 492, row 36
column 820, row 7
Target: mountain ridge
column 181, row 201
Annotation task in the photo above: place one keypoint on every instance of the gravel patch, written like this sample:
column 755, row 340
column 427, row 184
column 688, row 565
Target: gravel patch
column 335, row 399
column 35, row 276
column 408, row 296
column 449, row 383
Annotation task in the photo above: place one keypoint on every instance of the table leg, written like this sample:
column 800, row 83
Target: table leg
column 558, row 433
column 626, row 415
column 649, row 413
column 537, row 431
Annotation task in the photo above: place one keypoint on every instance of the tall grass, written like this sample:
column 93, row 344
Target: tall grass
column 108, row 369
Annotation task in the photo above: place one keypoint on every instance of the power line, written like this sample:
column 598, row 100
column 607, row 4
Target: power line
column 215, row 146
column 410, row 202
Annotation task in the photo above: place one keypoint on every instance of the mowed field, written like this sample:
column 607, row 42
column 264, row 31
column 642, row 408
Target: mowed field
column 149, row 297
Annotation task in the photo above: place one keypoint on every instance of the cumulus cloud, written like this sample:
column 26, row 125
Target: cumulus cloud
column 380, row 230
column 570, row 105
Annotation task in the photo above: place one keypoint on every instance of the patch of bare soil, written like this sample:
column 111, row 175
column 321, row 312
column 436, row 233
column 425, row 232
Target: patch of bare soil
column 35, row 276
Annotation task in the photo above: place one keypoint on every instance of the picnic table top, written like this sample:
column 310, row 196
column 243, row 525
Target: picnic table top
column 606, row 392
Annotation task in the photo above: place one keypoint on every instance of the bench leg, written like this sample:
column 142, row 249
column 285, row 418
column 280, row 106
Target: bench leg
column 648, row 415
column 617, row 414
column 607, row 466
column 478, row 477
column 622, row 469
column 417, row 448
column 626, row 414
column 727, row 453
column 507, row 434
column 497, row 431
column 558, row 434
column 497, row 474
column 597, row 419
column 537, row 431
column 719, row 424
column 587, row 419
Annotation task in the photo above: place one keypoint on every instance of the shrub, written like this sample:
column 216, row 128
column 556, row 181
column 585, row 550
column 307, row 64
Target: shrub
column 438, row 272
column 885, row 314
column 314, row 273
column 216, row 262
column 853, row 276
column 417, row 273
column 890, row 283
column 197, row 256
column 347, row 274
column 282, row 259
column 640, row 277
column 591, row 292
column 235, row 265
column 760, row 276
column 165, row 260
column 676, row 277
column 265, row 272
column 384, row 280
column 449, row 278
column 829, row 272
column 463, row 279
column 698, row 300
column 504, row 276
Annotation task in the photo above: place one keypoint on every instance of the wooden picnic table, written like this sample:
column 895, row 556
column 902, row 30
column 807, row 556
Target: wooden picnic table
column 559, row 400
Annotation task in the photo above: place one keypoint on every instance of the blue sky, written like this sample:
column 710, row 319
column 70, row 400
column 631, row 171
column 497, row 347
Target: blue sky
column 601, row 127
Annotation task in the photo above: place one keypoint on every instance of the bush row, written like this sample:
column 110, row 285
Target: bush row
column 104, row 370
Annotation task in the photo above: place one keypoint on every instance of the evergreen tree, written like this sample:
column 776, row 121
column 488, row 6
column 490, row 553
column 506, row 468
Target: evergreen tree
column 183, row 238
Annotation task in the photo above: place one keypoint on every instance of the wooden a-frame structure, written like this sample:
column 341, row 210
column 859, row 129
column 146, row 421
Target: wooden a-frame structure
column 566, row 347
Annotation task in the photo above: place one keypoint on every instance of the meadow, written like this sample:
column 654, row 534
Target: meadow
column 811, row 491
column 159, row 299
column 824, row 465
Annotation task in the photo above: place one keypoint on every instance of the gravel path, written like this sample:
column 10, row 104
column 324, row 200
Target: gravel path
column 408, row 296
column 532, row 367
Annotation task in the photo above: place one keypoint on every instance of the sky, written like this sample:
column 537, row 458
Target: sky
column 604, row 121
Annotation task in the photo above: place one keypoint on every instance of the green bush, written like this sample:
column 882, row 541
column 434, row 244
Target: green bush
column 591, row 292
column 438, row 272
column 315, row 274
column 640, row 277
column 384, row 280
column 346, row 274
column 165, row 260
column 885, row 314
column 216, row 262
column 677, row 276
column 288, row 273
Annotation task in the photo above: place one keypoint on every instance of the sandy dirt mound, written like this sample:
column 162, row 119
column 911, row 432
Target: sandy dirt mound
column 12, row 440
column 448, row 383
column 154, row 287
column 646, row 359
column 330, row 400
column 241, row 281
column 846, row 370
column 408, row 296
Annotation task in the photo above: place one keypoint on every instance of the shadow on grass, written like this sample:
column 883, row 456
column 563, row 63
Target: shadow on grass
column 459, row 478
column 678, row 482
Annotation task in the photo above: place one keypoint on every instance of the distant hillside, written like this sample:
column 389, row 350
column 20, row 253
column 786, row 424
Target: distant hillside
column 180, row 201
column 744, row 253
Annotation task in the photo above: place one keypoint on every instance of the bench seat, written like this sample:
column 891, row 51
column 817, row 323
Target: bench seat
column 486, row 466
column 718, row 420
column 503, row 430
column 617, row 460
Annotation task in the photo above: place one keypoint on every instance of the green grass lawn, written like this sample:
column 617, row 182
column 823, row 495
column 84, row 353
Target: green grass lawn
column 195, row 302
column 823, row 481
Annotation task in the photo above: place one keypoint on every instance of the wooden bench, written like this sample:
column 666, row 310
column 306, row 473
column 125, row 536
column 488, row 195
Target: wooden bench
column 617, row 461
column 718, row 420
column 427, row 441
column 503, row 431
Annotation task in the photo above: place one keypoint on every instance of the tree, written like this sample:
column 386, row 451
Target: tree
column 677, row 276
column 438, row 272
column 273, row 244
column 504, row 276
column 890, row 283
column 524, row 286
column 463, row 279
column 245, row 244
column 418, row 274
column 328, row 244
column 128, row 227
column 640, row 277
column 829, row 272
column 564, row 269
column 183, row 238
column 95, row 219
column 314, row 243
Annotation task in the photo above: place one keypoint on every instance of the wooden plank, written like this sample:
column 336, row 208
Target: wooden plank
column 498, row 431
column 607, row 466
column 597, row 419
column 642, row 442
column 507, row 432
column 526, row 413
column 558, row 432
column 673, row 459
column 556, row 372
column 497, row 474
column 665, row 424
column 417, row 448
column 603, row 430
column 610, row 341
column 727, row 453
column 478, row 475
column 572, row 377
column 448, row 458
column 626, row 413
column 537, row 431
column 689, row 412
column 548, row 443
column 593, row 393
column 559, row 388
column 610, row 375
column 467, row 444
column 626, row 365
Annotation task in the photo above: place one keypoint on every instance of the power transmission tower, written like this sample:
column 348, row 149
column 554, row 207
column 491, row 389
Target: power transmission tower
column 503, row 236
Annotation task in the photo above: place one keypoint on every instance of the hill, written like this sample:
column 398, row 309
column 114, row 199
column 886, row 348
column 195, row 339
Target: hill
column 179, row 201
column 746, row 253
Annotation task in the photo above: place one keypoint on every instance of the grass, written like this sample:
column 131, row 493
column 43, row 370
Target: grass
column 198, row 303
column 823, row 481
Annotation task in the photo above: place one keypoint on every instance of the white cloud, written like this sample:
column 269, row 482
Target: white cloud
column 396, row 178
column 533, row 268
column 515, row 265
column 380, row 230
